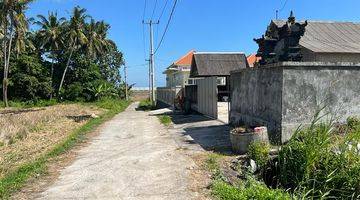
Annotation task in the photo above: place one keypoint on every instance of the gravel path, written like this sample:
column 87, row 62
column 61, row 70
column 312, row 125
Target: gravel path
column 134, row 157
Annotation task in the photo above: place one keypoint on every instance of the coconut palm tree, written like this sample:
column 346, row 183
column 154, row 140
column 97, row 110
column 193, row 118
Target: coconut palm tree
column 75, row 36
column 50, row 36
column 14, row 26
column 98, row 44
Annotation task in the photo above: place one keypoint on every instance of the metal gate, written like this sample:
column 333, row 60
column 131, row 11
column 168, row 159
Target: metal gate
column 207, row 97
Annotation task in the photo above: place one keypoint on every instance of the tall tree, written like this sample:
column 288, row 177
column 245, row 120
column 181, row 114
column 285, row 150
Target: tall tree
column 98, row 44
column 50, row 36
column 14, row 26
column 75, row 37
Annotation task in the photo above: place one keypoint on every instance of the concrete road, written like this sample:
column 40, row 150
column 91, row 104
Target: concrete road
column 134, row 157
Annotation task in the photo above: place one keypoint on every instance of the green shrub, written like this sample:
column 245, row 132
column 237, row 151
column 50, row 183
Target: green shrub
column 165, row 119
column 259, row 152
column 146, row 105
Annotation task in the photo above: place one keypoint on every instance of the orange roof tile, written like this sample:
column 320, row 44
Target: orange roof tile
column 252, row 59
column 185, row 60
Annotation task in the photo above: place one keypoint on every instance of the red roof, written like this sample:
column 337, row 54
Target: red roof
column 252, row 59
column 185, row 60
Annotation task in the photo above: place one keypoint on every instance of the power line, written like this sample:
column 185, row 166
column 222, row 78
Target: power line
column 139, row 65
column 163, row 9
column 167, row 26
column 152, row 16
column 281, row 9
column 144, row 10
column 160, row 16
column 143, row 29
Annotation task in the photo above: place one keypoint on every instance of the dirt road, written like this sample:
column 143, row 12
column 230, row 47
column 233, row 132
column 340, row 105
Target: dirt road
column 134, row 157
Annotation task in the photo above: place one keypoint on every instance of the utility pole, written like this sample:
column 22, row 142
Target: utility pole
column 126, row 84
column 147, row 60
column 152, row 61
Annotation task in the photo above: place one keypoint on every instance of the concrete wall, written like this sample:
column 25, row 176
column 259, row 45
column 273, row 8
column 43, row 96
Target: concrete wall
column 308, row 89
column 256, row 98
column 284, row 95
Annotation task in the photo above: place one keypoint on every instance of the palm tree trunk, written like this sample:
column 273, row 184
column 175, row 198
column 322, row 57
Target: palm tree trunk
column 5, row 74
column 66, row 68
column 51, row 78
column 6, row 71
column 7, row 53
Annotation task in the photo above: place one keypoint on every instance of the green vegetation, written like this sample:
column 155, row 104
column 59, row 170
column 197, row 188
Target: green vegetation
column 323, row 163
column 165, row 119
column 146, row 105
column 15, row 180
column 30, row 104
column 250, row 189
column 70, row 59
column 259, row 152
column 244, row 189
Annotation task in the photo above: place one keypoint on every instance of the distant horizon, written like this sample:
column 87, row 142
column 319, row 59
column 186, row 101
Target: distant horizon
column 216, row 26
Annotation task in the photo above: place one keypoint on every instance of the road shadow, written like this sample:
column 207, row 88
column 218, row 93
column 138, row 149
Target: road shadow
column 211, row 138
column 179, row 118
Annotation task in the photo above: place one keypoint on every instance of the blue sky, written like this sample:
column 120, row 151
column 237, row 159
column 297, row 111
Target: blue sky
column 203, row 25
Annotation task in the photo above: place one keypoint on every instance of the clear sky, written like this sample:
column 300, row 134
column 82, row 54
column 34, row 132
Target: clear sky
column 202, row 25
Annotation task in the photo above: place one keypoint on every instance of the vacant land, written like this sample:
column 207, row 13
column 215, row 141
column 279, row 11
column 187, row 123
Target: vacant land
column 27, row 133
column 32, row 139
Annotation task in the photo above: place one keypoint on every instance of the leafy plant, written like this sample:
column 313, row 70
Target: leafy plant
column 259, row 152
column 165, row 119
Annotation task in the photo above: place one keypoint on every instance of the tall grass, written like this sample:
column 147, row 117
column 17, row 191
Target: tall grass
column 321, row 163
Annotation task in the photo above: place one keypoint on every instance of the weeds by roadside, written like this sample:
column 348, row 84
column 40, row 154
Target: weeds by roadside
column 15, row 179
column 165, row 119
column 146, row 105
column 242, row 189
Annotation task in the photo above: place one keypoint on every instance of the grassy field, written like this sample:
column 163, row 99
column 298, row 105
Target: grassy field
column 36, row 135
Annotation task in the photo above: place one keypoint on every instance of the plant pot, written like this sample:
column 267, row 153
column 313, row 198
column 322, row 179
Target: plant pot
column 240, row 141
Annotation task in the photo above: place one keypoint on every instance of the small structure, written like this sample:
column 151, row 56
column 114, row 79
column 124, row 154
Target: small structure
column 211, row 95
column 295, row 80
